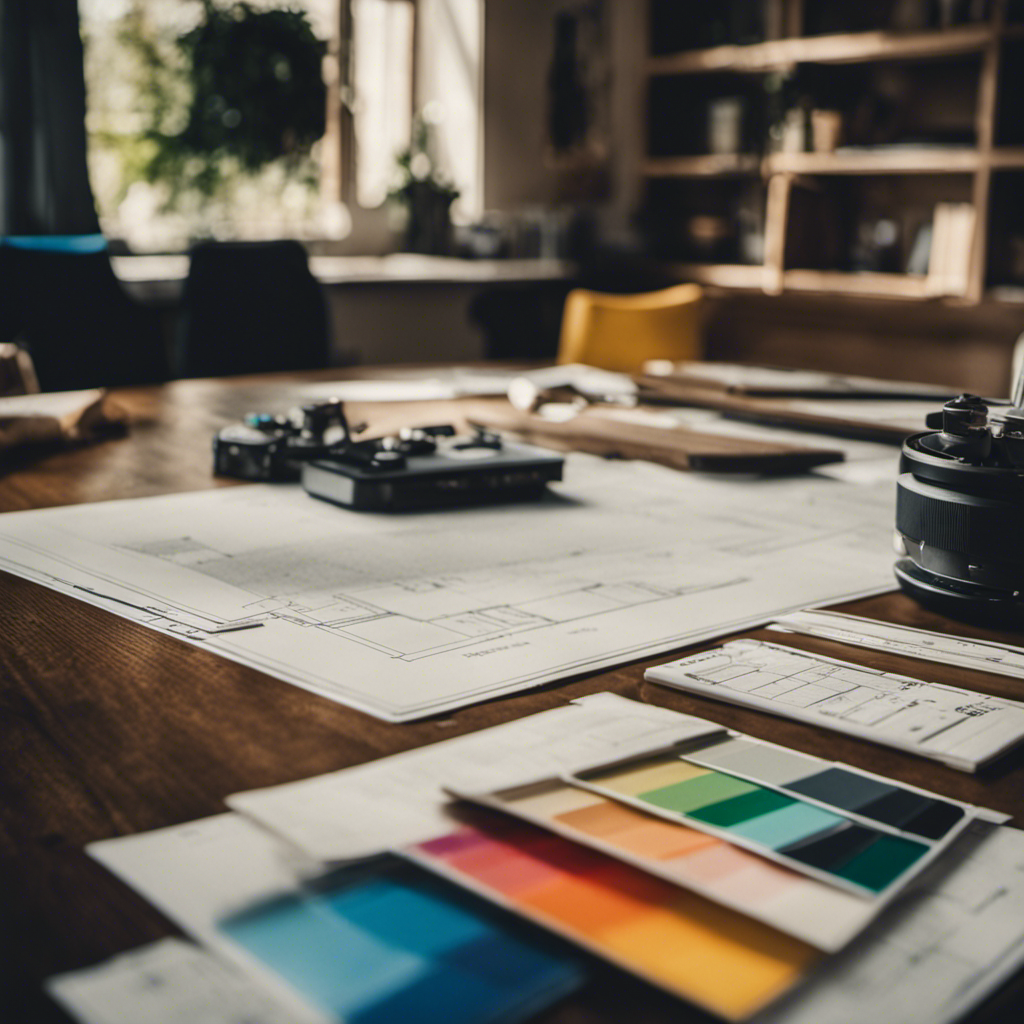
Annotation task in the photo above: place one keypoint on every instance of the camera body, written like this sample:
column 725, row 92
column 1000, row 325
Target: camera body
column 419, row 468
column 960, row 513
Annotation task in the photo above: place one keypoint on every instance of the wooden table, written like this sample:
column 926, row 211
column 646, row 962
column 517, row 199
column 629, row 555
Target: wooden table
column 110, row 728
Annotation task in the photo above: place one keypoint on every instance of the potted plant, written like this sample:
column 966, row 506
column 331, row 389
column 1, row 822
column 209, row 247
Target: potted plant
column 424, row 193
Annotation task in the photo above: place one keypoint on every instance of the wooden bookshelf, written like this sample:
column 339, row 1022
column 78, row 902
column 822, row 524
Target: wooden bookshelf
column 889, row 286
column 780, row 54
column 712, row 165
column 959, row 160
column 974, row 53
column 722, row 275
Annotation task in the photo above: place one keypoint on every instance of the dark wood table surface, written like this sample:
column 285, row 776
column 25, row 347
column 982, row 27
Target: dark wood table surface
column 109, row 728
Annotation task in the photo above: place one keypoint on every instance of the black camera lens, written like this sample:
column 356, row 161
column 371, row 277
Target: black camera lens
column 960, row 516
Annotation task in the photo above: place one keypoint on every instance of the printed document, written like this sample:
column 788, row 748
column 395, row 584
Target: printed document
column 945, row 648
column 337, row 816
column 961, row 728
column 202, row 871
column 168, row 982
column 935, row 953
column 405, row 616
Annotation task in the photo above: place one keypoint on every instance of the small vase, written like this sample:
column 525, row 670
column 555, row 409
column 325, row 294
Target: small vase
column 429, row 228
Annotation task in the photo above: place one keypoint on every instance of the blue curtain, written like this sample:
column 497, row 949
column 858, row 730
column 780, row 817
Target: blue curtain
column 44, row 182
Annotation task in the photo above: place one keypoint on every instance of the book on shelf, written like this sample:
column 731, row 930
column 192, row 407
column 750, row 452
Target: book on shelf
column 950, row 259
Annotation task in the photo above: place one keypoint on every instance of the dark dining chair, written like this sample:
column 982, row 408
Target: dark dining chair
column 250, row 307
column 62, row 302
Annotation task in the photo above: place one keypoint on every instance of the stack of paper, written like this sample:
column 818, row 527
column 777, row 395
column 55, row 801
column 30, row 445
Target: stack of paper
column 747, row 879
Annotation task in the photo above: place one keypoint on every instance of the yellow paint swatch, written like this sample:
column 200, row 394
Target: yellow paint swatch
column 641, row 778
column 731, row 965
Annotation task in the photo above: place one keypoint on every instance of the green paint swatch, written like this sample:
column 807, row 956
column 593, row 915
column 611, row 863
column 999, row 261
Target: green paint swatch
column 727, row 813
column 881, row 862
column 710, row 788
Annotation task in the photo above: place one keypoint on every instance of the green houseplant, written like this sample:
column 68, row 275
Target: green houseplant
column 247, row 91
column 424, row 193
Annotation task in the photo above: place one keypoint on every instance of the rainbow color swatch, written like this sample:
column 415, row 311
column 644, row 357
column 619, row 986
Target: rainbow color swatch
column 694, row 948
column 813, row 911
column 783, row 825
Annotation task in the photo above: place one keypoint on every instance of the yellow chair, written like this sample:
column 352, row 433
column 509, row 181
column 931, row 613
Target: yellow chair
column 621, row 332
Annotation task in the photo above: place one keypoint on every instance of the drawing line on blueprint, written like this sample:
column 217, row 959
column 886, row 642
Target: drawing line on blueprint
column 411, row 628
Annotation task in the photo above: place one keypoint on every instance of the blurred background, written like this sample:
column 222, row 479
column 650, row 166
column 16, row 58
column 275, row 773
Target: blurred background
column 843, row 182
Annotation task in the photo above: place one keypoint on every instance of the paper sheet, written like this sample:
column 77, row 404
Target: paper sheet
column 167, row 982
column 57, row 404
column 982, row 655
column 202, row 871
column 461, row 382
column 742, row 377
column 337, row 816
column 958, row 727
column 934, row 954
column 410, row 615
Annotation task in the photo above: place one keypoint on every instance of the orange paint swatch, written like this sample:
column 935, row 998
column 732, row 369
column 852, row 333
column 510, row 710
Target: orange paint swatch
column 708, row 954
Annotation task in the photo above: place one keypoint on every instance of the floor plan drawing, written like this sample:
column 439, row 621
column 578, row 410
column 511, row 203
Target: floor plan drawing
column 410, row 615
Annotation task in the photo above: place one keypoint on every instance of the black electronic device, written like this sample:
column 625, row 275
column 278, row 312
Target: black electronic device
column 420, row 468
column 960, row 513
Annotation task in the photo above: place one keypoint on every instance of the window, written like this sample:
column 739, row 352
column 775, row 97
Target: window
column 382, row 88
column 385, row 61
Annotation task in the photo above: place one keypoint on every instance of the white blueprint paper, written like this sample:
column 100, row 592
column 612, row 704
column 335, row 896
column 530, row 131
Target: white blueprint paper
column 935, row 953
column 202, row 871
column 945, row 648
column 168, row 982
column 338, row 816
column 405, row 616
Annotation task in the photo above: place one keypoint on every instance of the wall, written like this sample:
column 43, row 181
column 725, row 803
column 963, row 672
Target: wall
column 518, row 43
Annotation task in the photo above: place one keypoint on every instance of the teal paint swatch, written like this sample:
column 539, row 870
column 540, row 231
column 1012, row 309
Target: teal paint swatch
column 688, row 796
column 727, row 813
column 788, row 825
column 881, row 863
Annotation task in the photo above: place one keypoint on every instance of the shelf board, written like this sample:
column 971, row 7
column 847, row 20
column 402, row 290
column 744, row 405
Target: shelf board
column 721, row 275
column 890, row 286
column 709, row 165
column 1007, row 157
column 952, row 160
column 836, row 49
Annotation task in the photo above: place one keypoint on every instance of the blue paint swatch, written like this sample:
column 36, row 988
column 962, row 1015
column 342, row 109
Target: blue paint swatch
column 396, row 944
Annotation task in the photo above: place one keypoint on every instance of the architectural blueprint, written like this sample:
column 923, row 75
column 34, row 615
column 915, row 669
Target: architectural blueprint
column 409, row 615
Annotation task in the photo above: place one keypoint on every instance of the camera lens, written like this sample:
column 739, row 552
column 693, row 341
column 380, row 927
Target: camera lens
column 960, row 515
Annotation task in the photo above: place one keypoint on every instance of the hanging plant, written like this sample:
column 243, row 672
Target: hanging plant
column 425, row 194
column 255, row 95
column 259, row 94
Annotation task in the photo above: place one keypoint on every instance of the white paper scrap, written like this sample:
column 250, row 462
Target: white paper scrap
column 945, row 648
column 934, row 954
column 202, row 871
column 167, row 982
column 56, row 404
column 399, row 800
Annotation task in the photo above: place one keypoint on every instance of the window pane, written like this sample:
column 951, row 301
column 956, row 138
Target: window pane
column 449, row 92
column 382, row 76
column 136, row 85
